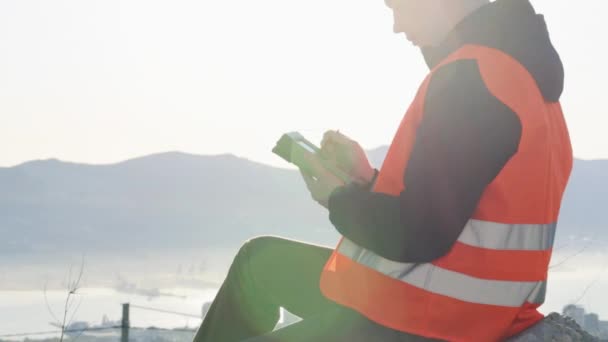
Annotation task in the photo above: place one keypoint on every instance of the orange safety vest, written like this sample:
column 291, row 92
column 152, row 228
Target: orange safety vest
column 490, row 284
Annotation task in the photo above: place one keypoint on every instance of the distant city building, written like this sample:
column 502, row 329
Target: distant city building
column 603, row 330
column 575, row 312
column 590, row 322
column 106, row 322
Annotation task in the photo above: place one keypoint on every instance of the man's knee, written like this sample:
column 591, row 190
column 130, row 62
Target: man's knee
column 261, row 242
column 255, row 259
column 256, row 248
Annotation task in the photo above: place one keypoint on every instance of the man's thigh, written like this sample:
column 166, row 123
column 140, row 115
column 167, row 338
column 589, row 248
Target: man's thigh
column 288, row 272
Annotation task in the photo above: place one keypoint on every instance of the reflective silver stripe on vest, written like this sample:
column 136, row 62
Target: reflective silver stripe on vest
column 538, row 295
column 448, row 283
column 502, row 236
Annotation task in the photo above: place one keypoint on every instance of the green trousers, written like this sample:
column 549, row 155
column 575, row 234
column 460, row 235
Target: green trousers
column 269, row 273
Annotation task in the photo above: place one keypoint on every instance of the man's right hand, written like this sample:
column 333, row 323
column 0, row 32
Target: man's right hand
column 348, row 155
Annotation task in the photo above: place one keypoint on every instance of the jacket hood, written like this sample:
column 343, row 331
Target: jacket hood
column 513, row 27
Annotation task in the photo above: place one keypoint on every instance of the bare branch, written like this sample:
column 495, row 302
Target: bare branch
column 48, row 306
column 69, row 277
column 75, row 286
column 562, row 246
column 72, row 288
column 65, row 314
column 75, row 311
column 582, row 250
column 73, row 339
column 591, row 284
column 77, row 283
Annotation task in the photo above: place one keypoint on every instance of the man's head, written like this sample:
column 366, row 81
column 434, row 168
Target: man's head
column 427, row 22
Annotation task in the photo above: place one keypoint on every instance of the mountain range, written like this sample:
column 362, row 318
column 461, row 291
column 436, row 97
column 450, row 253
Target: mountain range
column 174, row 200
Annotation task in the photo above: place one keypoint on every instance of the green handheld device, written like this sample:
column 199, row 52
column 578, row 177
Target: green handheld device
column 294, row 148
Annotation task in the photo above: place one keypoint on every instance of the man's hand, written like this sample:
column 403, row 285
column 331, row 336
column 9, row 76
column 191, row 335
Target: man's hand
column 348, row 155
column 320, row 182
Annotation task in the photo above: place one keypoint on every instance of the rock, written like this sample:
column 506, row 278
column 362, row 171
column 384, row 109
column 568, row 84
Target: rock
column 555, row 328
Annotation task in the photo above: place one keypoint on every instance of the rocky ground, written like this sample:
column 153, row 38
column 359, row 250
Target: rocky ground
column 555, row 328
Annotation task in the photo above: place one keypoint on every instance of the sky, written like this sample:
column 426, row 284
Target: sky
column 105, row 81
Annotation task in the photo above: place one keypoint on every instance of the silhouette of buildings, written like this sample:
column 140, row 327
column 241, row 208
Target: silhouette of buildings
column 589, row 321
column 575, row 312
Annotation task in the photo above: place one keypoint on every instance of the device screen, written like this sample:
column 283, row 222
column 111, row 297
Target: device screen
column 307, row 147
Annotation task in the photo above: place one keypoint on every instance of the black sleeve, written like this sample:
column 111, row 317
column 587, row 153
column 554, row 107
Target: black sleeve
column 465, row 138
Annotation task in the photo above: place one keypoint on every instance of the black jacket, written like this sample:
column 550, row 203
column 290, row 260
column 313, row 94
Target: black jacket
column 465, row 138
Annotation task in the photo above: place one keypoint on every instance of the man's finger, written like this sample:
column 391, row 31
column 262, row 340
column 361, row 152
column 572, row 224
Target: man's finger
column 331, row 138
column 338, row 138
column 328, row 144
column 316, row 167
column 310, row 184
column 308, row 179
column 322, row 174
column 327, row 136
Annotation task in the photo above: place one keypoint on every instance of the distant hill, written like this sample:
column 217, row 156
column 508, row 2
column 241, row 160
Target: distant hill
column 586, row 199
column 173, row 200
column 163, row 200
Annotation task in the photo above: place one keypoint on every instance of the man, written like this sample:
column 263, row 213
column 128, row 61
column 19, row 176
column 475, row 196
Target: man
column 451, row 239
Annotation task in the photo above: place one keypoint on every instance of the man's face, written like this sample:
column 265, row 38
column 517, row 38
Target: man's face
column 419, row 20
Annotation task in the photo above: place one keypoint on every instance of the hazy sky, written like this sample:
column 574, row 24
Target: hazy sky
column 103, row 81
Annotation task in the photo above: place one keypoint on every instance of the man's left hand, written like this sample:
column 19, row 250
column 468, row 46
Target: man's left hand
column 320, row 182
